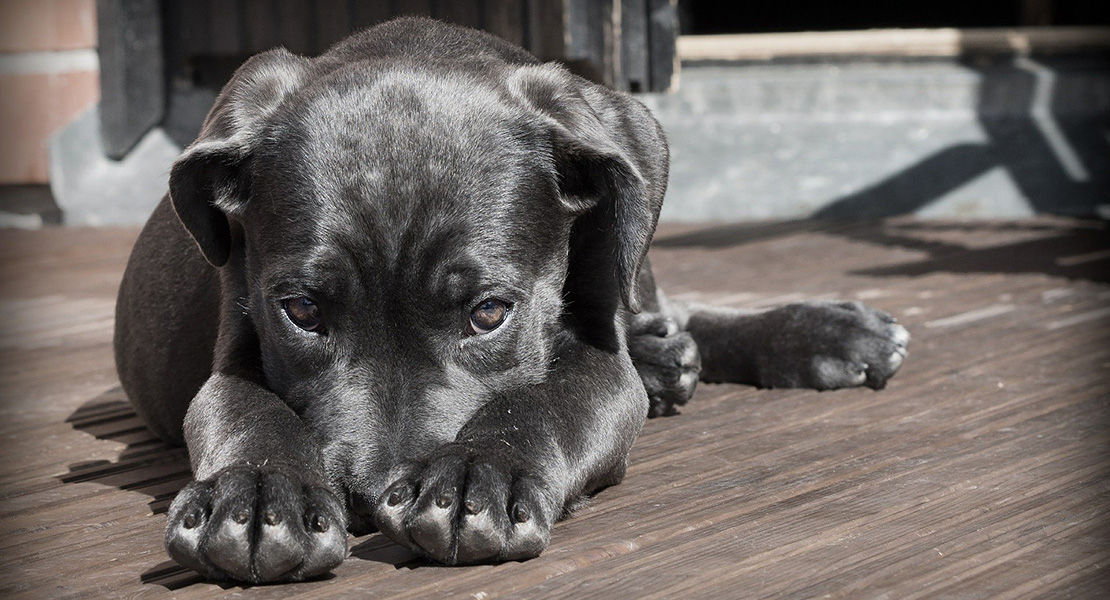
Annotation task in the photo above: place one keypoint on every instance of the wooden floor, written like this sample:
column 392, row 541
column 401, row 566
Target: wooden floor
column 983, row 470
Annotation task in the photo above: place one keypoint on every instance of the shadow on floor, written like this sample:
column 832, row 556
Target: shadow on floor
column 1075, row 252
column 146, row 465
column 1067, row 249
column 171, row 576
column 378, row 548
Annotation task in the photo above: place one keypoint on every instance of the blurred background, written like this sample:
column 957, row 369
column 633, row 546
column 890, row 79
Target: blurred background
column 774, row 110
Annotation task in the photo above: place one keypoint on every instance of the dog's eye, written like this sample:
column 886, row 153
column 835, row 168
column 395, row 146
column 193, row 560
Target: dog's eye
column 304, row 313
column 488, row 315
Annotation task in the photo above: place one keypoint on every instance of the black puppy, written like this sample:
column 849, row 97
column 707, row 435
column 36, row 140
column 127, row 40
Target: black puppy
column 405, row 287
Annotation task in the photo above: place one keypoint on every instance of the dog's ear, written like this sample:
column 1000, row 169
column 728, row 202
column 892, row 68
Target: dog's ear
column 210, row 181
column 611, row 160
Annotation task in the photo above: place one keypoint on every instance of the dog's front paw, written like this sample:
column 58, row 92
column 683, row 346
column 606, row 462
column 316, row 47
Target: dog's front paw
column 666, row 359
column 830, row 345
column 467, row 507
column 257, row 525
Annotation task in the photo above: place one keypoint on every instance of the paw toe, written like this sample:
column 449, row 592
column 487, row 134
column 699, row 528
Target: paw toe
column 894, row 361
column 830, row 373
column 481, row 536
column 669, row 369
column 278, row 552
column 431, row 531
column 326, row 528
column 229, row 549
column 899, row 335
column 252, row 525
column 466, row 511
column 392, row 508
column 188, row 518
column 529, row 538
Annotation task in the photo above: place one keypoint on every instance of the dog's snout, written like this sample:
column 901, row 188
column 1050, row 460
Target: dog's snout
column 363, row 503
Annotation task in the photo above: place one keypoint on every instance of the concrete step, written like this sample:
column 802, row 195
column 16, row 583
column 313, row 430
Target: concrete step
column 998, row 138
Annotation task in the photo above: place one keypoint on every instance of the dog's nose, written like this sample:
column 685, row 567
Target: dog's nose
column 361, row 512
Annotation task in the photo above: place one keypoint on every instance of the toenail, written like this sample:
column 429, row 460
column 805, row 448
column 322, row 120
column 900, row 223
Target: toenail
column 397, row 496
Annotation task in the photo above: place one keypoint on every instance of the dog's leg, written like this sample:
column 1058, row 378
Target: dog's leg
column 665, row 356
column 260, row 509
column 820, row 345
column 513, row 469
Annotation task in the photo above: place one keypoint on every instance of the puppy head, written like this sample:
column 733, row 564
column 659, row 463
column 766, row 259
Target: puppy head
column 410, row 241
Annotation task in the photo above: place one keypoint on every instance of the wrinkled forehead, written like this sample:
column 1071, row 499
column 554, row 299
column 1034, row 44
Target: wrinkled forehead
column 402, row 160
column 403, row 130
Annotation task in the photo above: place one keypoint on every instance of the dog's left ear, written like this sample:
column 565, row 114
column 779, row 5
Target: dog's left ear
column 210, row 181
column 611, row 160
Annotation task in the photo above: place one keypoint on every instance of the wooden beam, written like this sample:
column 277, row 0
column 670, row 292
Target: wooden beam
column 663, row 32
column 635, row 46
column 546, row 33
column 893, row 42
column 132, row 87
column 505, row 19
column 462, row 12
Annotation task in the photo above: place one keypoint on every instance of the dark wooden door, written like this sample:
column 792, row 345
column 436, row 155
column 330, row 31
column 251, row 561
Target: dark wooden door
column 165, row 54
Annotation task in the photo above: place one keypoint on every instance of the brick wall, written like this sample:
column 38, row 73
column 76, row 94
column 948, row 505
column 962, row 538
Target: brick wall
column 48, row 75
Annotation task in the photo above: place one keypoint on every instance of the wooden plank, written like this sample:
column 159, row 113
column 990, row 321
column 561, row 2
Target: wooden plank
column 546, row 28
column 132, row 88
column 590, row 45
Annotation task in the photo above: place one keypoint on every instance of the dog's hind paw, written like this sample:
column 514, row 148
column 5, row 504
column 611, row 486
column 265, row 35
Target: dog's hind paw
column 830, row 345
column 666, row 359
column 257, row 525
column 466, row 507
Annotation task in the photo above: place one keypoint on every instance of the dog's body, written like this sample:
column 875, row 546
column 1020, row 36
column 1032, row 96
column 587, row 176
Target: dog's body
column 432, row 314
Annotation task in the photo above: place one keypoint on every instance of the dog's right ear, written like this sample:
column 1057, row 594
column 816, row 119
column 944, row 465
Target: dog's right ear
column 611, row 159
column 210, row 181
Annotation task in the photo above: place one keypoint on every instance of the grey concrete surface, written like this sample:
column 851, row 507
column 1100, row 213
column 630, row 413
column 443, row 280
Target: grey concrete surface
column 937, row 139
column 92, row 189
